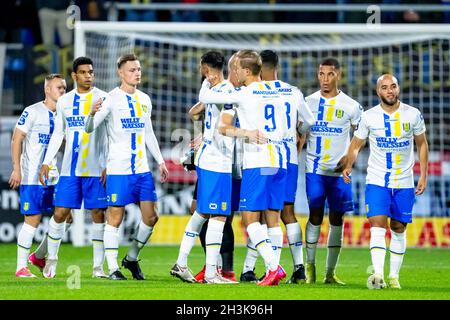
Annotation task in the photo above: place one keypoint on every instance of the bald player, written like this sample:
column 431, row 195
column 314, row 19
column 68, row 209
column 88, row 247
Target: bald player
column 391, row 127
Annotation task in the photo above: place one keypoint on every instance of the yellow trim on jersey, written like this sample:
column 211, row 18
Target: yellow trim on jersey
column 330, row 110
column 271, row 155
column 137, row 106
column 326, row 157
column 397, row 125
column 260, row 86
column 326, row 143
column 87, row 104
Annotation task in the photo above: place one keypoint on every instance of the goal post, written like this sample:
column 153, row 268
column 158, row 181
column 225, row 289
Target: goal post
column 417, row 54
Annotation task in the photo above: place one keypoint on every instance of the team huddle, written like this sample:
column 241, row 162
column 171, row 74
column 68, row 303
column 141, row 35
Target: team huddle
column 255, row 126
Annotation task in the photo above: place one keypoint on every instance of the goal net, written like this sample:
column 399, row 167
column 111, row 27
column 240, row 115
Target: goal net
column 418, row 55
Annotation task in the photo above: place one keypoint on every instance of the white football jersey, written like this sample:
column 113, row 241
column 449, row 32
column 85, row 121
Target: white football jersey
column 84, row 154
column 38, row 123
column 259, row 106
column 130, row 133
column 391, row 141
column 296, row 110
column 215, row 152
column 329, row 137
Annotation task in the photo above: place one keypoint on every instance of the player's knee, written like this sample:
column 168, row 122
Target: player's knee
column 336, row 219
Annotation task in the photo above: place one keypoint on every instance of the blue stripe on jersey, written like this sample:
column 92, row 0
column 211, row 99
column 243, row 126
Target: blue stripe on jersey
column 277, row 84
column 133, row 153
column 387, row 125
column 288, row 152
column 268, row 86
column 388, row 166
column 131, row 106
column 321, row 109
column 316, row 164
column 75, row 151
column 76, row 105
column 388, row 133
column 51, row 119
column 201, row 152
column 318, row 151
column 280, row 156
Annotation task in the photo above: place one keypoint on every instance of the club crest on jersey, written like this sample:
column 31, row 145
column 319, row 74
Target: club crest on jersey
column 26, row 206
column 144, row 108
column 339, row 113
column 406, row 126
column 114, row 197
column 224, row 206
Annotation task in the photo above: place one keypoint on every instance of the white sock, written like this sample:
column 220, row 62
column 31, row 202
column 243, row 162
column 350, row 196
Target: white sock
column 219, row 261
column 334, row 248
column 55, row 234
column 142, row 235
column 276, row 237
column 397, row 250
column 111, row 243
column 294, row 235
column 24, row 242
column 98, row 231
column 42, row 249
column 251, row 257
column 312, row 237
column 190, row 235
column 213, row 242
column 262, row 244
column 378, row 249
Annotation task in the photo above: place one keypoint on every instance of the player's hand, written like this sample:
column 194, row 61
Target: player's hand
column 421, row 185
column 43, row 174
column 96, row 106
column 14, row 180
column 103, row 177
column 341, row 164
column 195, row 143
column 346, row 174
column 163, row 172
column 256, row 136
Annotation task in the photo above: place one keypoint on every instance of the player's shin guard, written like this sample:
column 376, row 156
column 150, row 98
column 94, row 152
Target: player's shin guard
column 312, row 237
column 98, row 231
column 227, row 249
column 111, row 243
column 334, row 248
column 378, row 249
column 190, row 233
column 294, row 236
column 142, row 235
column 55, row 234
column 276, row 237
column 24, row 242
column 397, row 250
column 213, row 238
column 262, row 244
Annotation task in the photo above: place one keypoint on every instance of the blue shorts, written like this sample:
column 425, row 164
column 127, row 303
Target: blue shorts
column 394, row 203
column 36, row 199
column 320, row 188
column 130, row 188
column 291, row 182
column 72, row 191
column 213, row 192
column 262, row 189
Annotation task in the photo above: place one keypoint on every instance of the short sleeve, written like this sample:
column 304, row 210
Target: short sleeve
column 356, row 116
column 362, row 130
column 25, row 121
column 419, row 124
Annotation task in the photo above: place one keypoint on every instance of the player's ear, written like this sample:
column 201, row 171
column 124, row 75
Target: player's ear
column 74, row 76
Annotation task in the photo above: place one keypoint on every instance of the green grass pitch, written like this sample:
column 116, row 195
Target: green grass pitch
column 425, row 275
